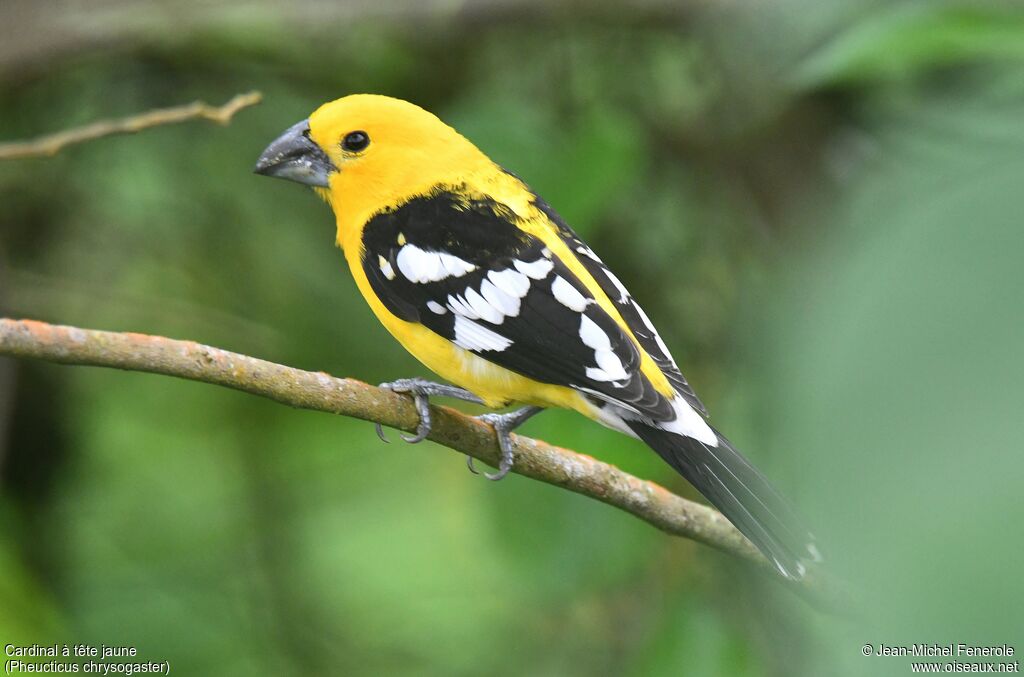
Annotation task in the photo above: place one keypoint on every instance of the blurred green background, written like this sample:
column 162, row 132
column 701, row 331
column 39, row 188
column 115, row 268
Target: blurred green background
column 819, row 203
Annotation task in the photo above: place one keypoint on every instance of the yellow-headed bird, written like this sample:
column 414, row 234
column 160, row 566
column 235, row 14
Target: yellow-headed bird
column 487, row 286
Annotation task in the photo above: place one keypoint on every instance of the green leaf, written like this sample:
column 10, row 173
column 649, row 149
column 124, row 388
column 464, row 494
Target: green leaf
column 904, row 41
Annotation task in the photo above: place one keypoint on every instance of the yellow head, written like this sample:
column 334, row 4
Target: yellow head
column 366, row 152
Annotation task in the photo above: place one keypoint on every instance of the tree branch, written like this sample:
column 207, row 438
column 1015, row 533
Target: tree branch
column 51, row 144
column 321, row 392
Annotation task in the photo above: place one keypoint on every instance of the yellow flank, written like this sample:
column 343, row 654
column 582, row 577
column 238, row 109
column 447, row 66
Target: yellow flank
column 410, row 153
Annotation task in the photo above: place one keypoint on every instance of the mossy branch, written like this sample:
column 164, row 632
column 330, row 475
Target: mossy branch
column 319, row 391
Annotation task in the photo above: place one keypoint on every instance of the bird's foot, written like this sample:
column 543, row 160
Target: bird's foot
column 503, row 425
column 421, row 390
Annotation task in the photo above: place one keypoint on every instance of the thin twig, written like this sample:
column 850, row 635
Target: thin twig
column 321, row 392
column 51, row 144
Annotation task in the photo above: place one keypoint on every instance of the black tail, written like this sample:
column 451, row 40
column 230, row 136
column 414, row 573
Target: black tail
column 741, row 492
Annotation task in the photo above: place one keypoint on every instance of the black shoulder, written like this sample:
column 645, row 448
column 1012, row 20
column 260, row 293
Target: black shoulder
column 446, row 220
column 443, row 227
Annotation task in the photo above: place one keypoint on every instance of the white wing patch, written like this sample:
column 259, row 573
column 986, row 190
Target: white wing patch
column 385, row 267
column 538, row 269
column 623, row 292
column 609, row 366
column 482, row 308
column 512, row 282
column 593, row 336
column 455, row 266
column 473, row 336
column 500, row 296
column 621, row 288
column 505, row 303
column 436, row 308
column 568, row 296
column 625, row 297
column 688, row 422
column 459, row 306
column 420, row 266
column 657, row 337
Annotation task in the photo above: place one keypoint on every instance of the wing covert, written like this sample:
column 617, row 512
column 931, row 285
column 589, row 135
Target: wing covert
column 464, row 270
column 632, row 314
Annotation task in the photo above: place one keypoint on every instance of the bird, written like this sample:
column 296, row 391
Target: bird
column 484, row 283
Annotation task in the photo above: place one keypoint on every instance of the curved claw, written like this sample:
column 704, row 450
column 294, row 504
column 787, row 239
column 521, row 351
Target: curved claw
column 417, row 438
column 380, row 433
column 423, row 429
column 505, row 465
column 422, row 408
column 494, row 477
column 503, row 425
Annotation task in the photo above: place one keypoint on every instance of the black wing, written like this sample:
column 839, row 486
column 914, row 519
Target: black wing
column 464, row 270
column 632, row 314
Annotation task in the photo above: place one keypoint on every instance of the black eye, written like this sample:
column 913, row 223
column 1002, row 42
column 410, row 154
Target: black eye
column 355, row 141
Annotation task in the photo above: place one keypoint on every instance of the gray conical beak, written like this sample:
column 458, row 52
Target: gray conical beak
column 295, row 157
